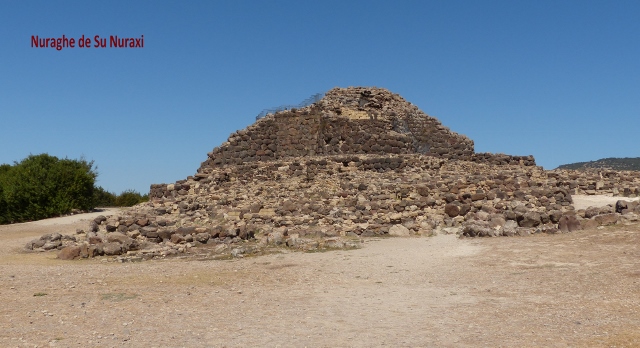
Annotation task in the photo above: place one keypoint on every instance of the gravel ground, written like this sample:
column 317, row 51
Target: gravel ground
column 570, row 290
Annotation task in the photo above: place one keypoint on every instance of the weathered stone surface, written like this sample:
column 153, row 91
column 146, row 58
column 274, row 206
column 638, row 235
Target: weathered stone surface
column 529, row 219
column 177, row 238
column 555, row 216
column 622, row 207
column 452, row 210
column 35, row 244
column 50, row 245
column 569, row 223
column 100, row 219
column 399, row 231
column 202, row 237
column 69, row 253
column 117, row 237
column 477, row 228
column 510, row 228
column 113, row 248
column 589, row 224
column 186, row 230
column 360, row 162
column 148, row 229
column 275, row 238
column 607, row 219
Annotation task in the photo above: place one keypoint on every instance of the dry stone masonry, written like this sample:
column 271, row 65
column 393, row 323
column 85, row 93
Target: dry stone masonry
column 345, row 121
column 361, row 162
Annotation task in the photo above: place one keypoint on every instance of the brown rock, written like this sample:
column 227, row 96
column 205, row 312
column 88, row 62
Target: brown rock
column 607, row 219
column 451, row 210
column 589, row 224
column 399, row 230
column 591, row 212
column 111, row 249
column 555, row 215
column 478, row 196
column 100, row 219
column 529, row 219
column 202, row 237
column 177, row 238
column 478, row 229
column 69, row 253
column 289, row 206
column 569, row 223
column 117, row 237
column 464, row 209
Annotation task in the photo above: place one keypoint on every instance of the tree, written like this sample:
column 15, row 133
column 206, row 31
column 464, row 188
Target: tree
column 130, row 198
column 42, row 186
column 103, row 198
column 3, row 207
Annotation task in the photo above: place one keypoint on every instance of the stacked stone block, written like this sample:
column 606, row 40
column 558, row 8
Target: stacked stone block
column 394, row 126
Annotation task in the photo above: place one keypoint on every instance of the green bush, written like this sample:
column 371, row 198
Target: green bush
column 3, row 207
column 42, row 186
column 103, row 198
column 130, row 198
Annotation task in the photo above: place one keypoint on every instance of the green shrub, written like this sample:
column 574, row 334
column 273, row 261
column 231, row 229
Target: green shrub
column 3, row 207
column 103, row 198
column 130, row 198
column 42, row 186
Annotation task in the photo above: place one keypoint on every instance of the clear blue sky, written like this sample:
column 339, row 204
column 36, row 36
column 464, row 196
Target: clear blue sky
column 559, row 80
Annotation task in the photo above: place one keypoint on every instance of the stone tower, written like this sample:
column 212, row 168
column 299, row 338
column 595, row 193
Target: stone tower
column 354, row 120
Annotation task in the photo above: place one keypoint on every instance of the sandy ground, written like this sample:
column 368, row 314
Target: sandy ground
column 571, row 290
column 584, row 201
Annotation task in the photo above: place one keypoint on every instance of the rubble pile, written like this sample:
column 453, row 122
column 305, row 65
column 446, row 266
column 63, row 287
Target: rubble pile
column 361, row 162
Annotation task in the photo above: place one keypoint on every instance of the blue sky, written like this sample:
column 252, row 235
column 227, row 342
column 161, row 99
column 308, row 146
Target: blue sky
column 559, row 80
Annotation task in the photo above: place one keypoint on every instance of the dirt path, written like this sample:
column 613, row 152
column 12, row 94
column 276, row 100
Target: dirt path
column 572, row 290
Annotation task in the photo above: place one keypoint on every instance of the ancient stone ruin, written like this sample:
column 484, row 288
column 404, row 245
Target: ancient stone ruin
column 360, row 162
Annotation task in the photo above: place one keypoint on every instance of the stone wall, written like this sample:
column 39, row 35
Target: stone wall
column 331, row 201
column 369, row 194
column 597, row 181
column 336, row 125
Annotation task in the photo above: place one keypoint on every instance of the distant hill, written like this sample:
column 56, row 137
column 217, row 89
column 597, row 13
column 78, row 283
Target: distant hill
column 606, row 163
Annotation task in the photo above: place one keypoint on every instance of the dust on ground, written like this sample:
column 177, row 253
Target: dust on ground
column 570, row 290
column 586, row 201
